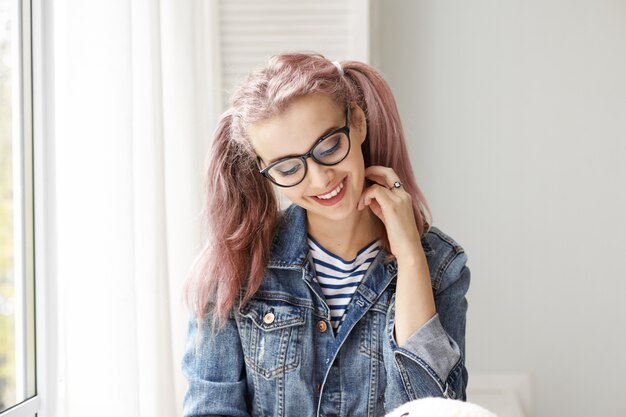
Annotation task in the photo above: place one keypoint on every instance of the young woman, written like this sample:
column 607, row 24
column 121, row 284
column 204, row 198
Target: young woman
column 347, row 303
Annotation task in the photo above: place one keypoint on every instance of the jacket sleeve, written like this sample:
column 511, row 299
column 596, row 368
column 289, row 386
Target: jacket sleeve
column 431, row 362
column 213, row 364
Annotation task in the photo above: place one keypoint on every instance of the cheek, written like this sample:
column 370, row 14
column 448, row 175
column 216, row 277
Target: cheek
column 357, row 162
column 285, row 195
column 290, row 194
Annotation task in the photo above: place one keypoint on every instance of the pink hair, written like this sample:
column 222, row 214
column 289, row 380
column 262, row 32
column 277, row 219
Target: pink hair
column 241, row 209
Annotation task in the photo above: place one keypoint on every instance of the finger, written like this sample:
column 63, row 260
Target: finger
column 377, row 210
column 381, row 194
column 382, row 175
column 377, row 179
column 391, row 202
column 392, row 185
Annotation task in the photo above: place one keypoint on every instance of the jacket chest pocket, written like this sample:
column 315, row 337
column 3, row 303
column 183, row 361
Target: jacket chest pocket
column 271, row 336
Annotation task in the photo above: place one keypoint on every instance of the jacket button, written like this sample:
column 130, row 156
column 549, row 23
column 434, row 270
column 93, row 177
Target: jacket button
column 321, row 326
column 268, row 318
column 318, row 387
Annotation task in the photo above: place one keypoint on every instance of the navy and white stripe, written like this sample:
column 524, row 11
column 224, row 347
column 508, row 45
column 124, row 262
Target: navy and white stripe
column 339, row 278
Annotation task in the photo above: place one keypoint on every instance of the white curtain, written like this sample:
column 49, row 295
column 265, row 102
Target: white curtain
column 133, row 102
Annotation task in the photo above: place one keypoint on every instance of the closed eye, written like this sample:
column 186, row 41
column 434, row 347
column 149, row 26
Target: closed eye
column 287, row 169
column 330, row 146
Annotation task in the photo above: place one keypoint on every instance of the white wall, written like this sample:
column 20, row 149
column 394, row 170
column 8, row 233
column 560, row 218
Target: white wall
column 516, row 113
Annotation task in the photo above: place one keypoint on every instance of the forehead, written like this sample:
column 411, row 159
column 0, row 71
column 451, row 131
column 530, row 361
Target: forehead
column 294, row 131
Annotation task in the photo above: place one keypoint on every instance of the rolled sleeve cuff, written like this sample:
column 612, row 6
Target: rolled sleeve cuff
column 432, row 345
column 205, row 398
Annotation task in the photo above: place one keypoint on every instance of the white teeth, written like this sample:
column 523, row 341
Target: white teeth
column 332, row 193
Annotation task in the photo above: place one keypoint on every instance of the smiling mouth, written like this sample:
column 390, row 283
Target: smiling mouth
column 331, row 194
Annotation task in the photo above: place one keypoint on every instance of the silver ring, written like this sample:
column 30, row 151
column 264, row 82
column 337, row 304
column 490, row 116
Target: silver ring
column 397, row 184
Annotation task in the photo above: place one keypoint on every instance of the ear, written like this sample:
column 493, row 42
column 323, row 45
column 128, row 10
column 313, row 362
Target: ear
column 358, row 122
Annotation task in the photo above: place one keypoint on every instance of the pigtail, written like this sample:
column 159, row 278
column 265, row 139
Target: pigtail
column 385, row 144
column 240, row 213
column 241, row 209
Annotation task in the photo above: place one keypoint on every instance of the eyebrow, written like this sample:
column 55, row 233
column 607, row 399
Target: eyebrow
column 326, row 132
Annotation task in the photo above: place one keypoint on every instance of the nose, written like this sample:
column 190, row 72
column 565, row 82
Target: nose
column 320, row 176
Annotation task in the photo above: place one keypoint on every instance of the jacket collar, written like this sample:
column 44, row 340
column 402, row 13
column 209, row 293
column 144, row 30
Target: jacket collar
column 290, row 248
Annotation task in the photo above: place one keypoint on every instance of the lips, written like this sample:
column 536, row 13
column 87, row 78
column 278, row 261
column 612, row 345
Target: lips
column 333, row 196
column 332, row 193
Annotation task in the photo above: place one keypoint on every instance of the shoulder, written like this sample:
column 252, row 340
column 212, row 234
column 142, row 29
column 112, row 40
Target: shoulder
column 446, row 258
column 289, row 246
column 290, row 220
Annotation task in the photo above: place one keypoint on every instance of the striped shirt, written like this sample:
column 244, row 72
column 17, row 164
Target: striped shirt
column 339, row 278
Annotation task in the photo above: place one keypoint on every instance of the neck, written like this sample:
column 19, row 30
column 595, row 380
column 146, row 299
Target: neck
column 346, row 237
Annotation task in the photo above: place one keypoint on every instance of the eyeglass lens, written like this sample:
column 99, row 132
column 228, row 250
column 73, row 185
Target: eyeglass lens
column 329, row 151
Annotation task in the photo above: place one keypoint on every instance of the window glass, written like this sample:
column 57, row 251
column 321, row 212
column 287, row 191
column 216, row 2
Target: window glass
column 17, row 360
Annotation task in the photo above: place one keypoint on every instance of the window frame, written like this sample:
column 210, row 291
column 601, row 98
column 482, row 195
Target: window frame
column 25, row 218
column 43, row 107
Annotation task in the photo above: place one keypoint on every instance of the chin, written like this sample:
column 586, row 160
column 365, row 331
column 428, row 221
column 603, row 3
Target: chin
column 343, row 210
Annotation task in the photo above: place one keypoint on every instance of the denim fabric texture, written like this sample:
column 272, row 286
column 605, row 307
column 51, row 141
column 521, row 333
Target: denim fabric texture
column 277, row 355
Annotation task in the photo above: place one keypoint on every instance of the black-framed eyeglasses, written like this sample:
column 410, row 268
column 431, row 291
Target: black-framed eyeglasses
column 330, row 149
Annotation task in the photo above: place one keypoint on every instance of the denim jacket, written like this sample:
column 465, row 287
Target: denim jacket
column 277, row 355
